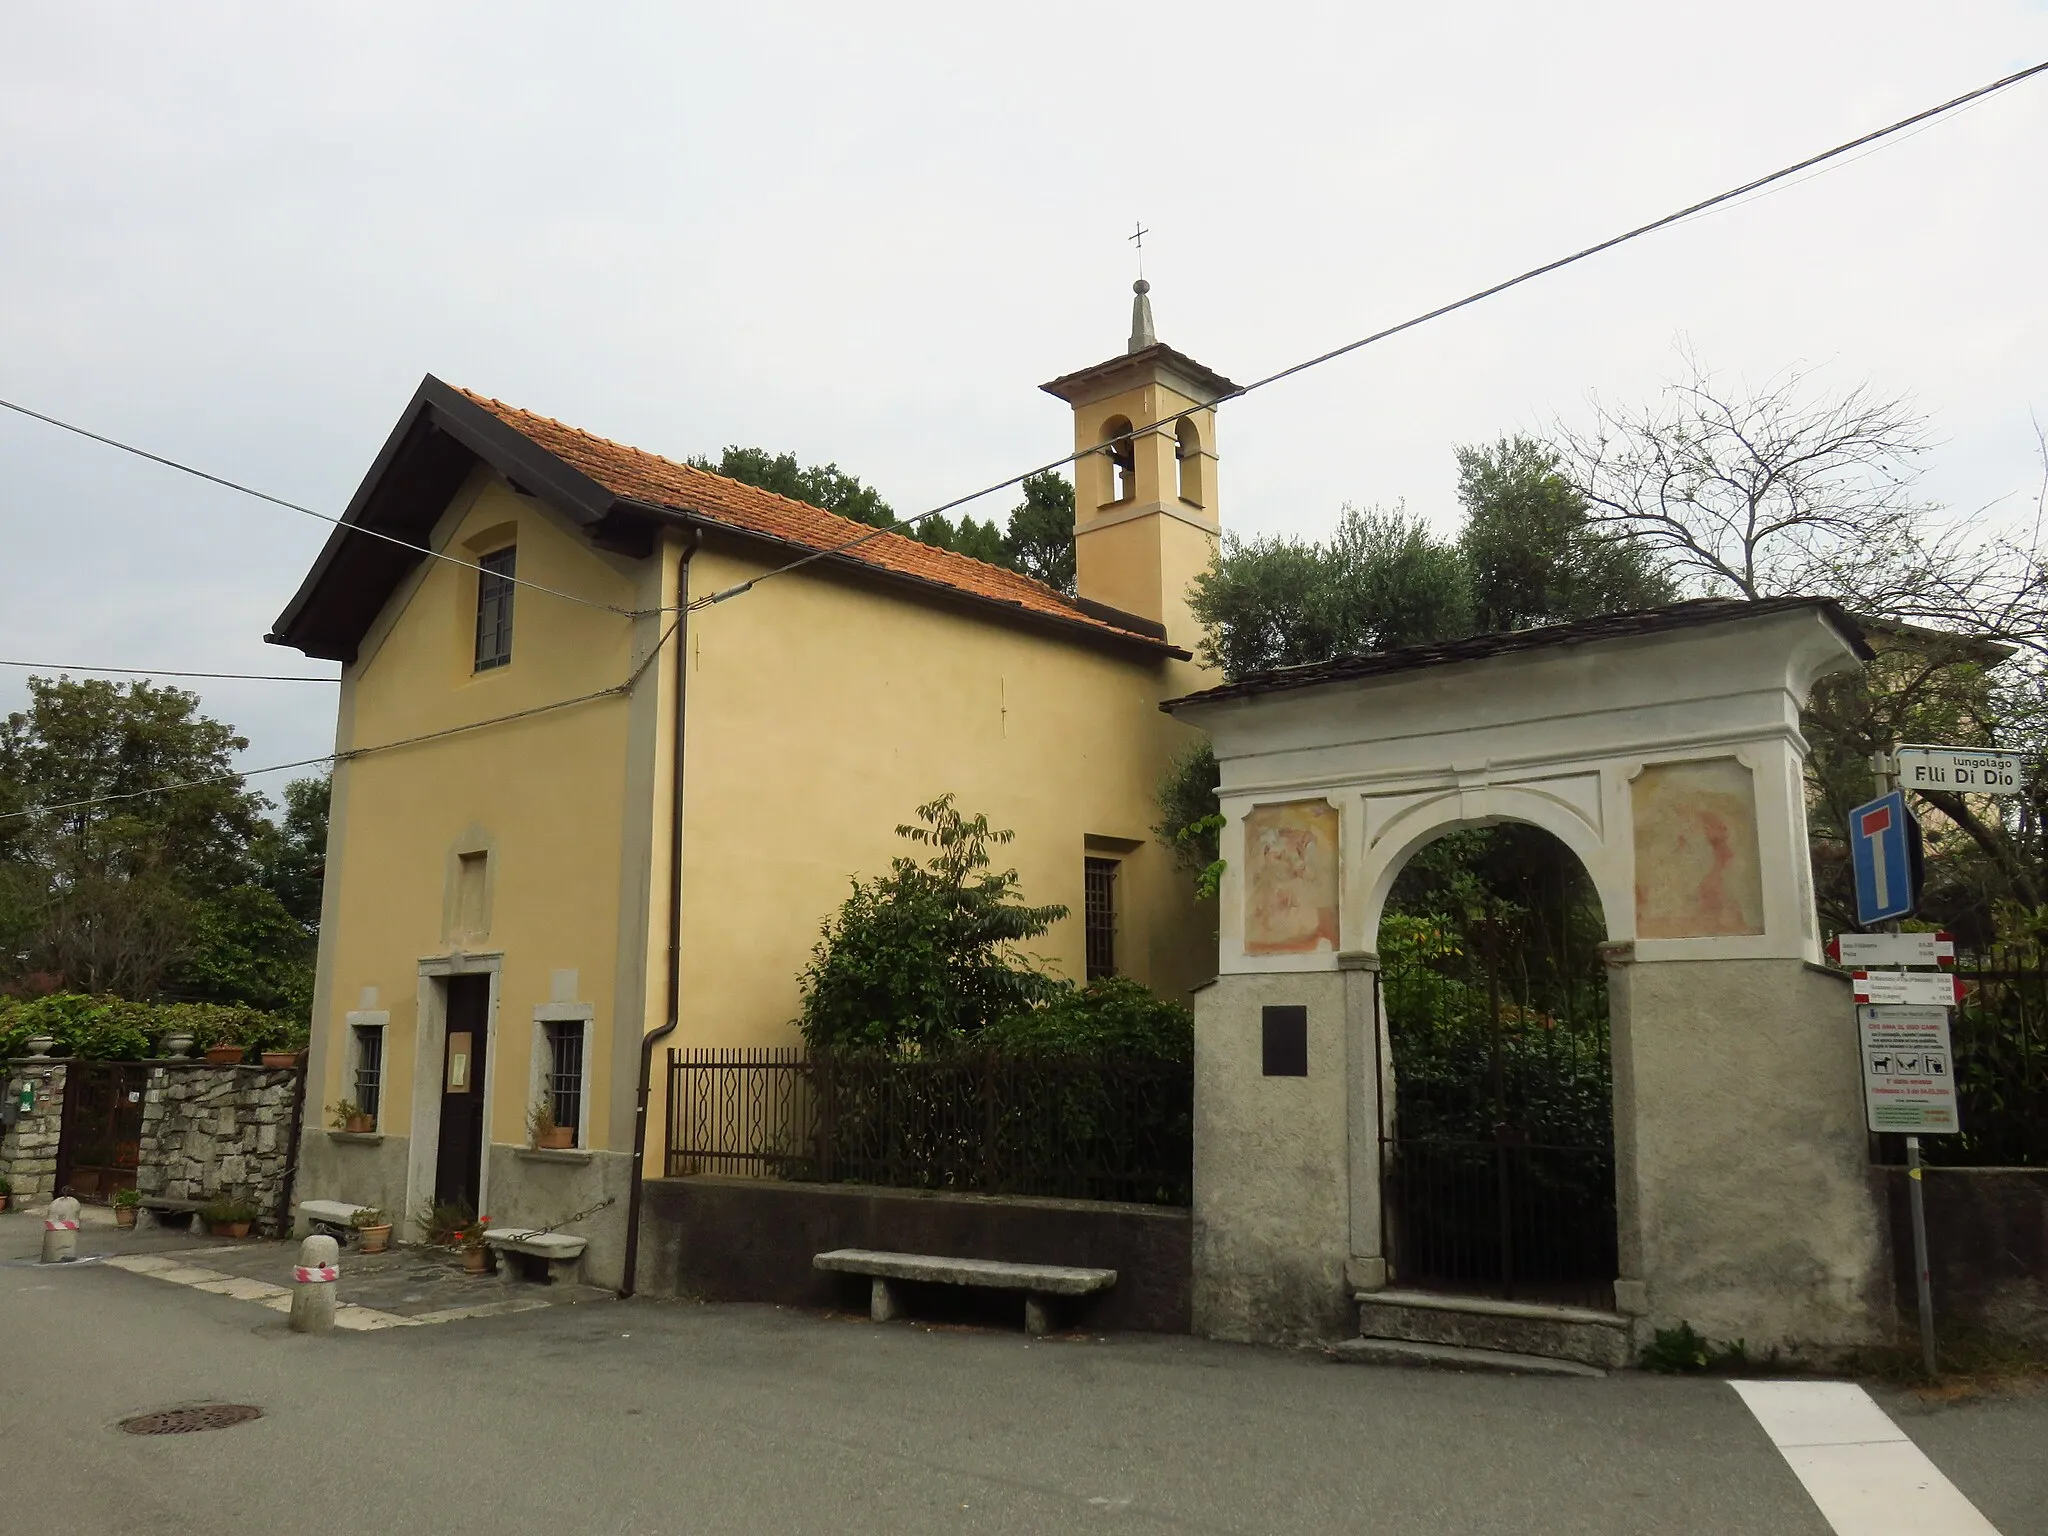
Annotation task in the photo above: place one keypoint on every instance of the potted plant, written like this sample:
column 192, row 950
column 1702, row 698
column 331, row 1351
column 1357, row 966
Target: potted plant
column 373, row 1227
column 126, row 1203
column 225, row 1217
column 540, row 1124
column 224, row 1055
column 40, row 1045
column 349, row 1116
column 476, row 1255
column 280, row 1058
column 177, row 1043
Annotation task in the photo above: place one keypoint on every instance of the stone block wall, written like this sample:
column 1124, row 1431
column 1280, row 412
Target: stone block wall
column 212, row 1131
column 28, row 1150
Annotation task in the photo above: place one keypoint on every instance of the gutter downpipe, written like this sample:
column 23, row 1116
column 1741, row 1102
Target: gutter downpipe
column 675, row 924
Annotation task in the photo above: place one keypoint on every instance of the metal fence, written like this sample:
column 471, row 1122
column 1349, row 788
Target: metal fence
column 1084, row 1128
column 1999, row 1034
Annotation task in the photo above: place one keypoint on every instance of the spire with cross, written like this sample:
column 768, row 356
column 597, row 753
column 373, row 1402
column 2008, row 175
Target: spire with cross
column 1142, row 334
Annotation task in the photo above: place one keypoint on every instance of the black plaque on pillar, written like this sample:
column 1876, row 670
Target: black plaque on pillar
column 1283, row 1040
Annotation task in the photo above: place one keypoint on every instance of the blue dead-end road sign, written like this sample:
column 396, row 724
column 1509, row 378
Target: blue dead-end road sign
column 1880, row 851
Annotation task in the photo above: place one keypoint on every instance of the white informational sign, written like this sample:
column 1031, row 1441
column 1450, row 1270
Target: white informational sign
column 1908, row 1072
column 1960, row 770
column 1863, row 949
column 1932, row 989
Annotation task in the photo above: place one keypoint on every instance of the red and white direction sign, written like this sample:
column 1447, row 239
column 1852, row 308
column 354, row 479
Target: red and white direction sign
column 1908, row 1071
column 1931, row 989
column 1859, row 949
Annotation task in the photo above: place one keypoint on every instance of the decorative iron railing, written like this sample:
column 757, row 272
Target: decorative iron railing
column 1086, row 1128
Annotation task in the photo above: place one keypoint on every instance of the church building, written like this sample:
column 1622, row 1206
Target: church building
column 581, row 815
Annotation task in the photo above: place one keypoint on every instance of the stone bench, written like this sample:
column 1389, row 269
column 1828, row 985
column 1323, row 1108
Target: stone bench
column 537, row 1255
column 336, row 1216
column 1036, row 1281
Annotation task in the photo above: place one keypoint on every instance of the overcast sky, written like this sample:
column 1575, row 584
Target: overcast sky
column 867, row 233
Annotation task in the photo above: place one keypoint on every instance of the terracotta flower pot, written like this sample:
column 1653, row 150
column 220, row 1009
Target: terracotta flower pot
column 228, row 1228
column 560, row 1139
column 376, row 1239
column 124, row 1215
column 476, row 1261
column 280, row 1058
column 224, row 1055
column 361, row 1125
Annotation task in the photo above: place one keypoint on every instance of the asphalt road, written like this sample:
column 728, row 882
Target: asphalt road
column 636, row 1417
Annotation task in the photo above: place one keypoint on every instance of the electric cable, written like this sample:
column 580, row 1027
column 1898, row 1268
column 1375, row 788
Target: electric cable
column 293, row 506
column 1690, row 211
column 615, row 691
column 250, row 677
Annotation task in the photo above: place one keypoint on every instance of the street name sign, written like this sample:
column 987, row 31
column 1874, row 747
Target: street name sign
column 1960, row 770
column 1861, row 949
column 1908, row 1071
column 1880, row 855
column 1931, row 989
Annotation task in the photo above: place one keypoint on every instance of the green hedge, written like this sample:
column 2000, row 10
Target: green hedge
column 115, row 1029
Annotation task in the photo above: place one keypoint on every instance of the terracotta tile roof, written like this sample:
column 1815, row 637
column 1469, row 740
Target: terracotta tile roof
column 639, row 476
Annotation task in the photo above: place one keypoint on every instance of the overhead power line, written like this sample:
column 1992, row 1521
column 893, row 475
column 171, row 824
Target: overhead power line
column 293, row 506
column 615, row 691
column 1691, row 210
column 251, row 677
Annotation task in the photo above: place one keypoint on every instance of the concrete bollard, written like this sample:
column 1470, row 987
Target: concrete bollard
column 60, row 1231
column 315, row 1281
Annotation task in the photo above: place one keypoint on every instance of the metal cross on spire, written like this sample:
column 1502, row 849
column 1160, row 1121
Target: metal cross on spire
column 1138, row 240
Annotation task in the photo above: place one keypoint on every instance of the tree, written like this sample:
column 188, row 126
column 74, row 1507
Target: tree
column 1040, row 542
column 246, row 946
column 822, row 485
column 291, row 852
column 1534, row 554
column 1382, row 581
column 1779, row 490
column 119, row 811
column 928, row 952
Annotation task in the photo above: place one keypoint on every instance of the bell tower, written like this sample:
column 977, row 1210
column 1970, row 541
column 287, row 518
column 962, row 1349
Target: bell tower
column 1145, row 514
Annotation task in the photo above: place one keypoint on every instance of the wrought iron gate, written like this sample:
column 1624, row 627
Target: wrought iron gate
column 101, row 1140
column 1498, row 1162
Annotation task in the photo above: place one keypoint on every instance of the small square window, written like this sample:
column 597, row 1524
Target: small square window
column 494, row 589
column 369, row 1072
column 1098, row 916
column 564, row 1087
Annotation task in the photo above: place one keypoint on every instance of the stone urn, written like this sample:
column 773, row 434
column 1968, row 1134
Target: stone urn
column 39, row 1045
column 177, row 1045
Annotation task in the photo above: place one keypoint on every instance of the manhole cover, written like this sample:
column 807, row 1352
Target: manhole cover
column 185, row 1421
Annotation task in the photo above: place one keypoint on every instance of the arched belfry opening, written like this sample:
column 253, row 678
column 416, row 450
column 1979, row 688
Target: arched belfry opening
column 1120, row 458
column 1496, row 1142
column 1187, row 455
column 1440, row 862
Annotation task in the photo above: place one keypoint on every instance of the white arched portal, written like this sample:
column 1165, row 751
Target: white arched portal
column 1664, row 750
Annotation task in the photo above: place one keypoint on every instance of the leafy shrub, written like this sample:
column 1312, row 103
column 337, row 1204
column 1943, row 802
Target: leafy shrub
column 927, row 952
column 116, row 1029
column 1682, row 1351
column 1112, row 1016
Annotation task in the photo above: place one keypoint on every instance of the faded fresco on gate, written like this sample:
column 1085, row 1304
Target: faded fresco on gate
column 1290, row 878
column 1698, row 871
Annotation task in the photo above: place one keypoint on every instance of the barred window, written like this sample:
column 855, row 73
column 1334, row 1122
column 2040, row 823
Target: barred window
column 369, row 1067
column 494, row 590
column 565, row 1076
column 1098, row 916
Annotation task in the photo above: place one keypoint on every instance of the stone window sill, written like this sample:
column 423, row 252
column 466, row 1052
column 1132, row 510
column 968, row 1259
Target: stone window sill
column 553, row 1155
column 358, row 1138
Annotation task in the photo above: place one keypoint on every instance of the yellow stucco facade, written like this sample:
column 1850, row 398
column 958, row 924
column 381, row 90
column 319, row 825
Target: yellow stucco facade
column 532, row 853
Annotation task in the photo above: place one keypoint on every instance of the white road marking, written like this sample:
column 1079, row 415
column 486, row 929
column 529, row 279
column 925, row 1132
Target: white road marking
column 347, row 1315
column 1856, row 1465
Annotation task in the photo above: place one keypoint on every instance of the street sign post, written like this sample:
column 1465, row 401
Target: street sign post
column 1960, row 770
column 1908, row 1071
column 1880, row 853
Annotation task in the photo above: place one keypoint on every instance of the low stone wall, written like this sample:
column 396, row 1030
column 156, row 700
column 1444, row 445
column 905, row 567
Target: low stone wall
column 736, row 1239
column 1987, row 1248
column 28, row 1150
column 217, row 1131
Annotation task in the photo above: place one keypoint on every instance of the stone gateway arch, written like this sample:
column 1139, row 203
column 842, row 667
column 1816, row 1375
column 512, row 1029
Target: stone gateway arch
column 1663, row 748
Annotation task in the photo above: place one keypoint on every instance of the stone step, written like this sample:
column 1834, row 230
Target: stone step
column 1453, row 1357
column 1582, row 1334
